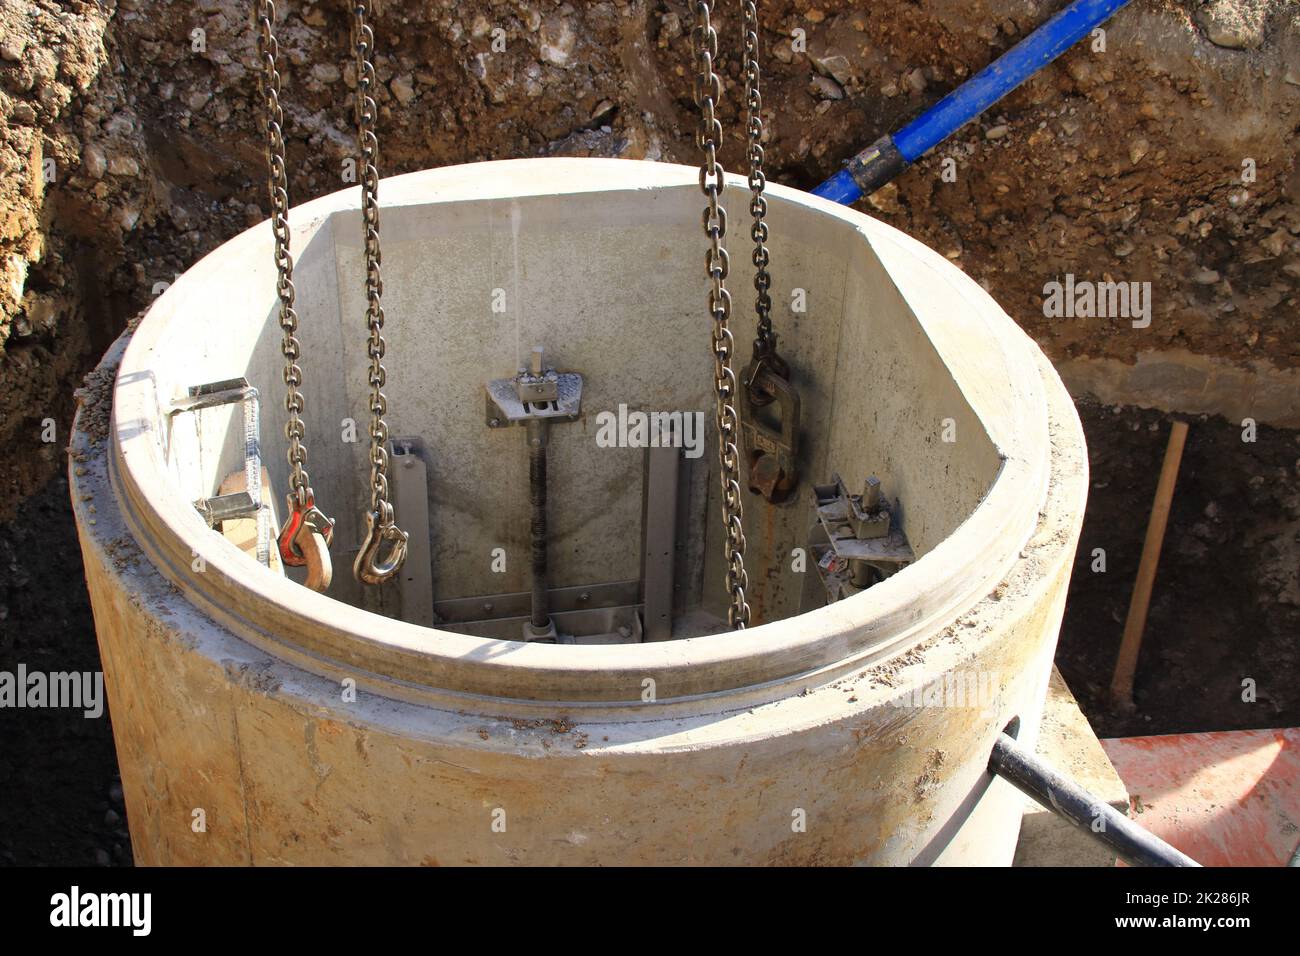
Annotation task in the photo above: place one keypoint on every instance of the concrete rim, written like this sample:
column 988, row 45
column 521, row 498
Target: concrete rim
column 277, row 614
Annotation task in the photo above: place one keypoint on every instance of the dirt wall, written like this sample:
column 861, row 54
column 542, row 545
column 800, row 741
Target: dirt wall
column 131, row 146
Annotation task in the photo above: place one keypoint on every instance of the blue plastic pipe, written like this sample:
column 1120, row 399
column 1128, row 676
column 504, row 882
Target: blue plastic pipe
column 890, row 155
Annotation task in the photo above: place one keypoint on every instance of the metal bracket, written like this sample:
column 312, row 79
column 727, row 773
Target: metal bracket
column 226, row 392
column 772, row 453
column 536, row 393
column 221, row 508
column 659, row 539
column 409, row 479
column 240, row 504
column 864, row 541
column 586, row 614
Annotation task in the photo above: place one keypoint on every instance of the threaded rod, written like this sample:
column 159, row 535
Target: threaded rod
column 537, row 497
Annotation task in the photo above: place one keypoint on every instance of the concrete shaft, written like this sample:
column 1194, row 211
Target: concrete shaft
column 308, row 729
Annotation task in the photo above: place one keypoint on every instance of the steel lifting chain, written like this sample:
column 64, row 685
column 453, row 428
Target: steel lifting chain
column 765, row 342
column 771, row 453
column 708, row 91
column 384, row 548
column 307, row 532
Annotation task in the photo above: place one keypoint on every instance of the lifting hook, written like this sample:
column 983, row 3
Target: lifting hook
column 380, row 530
column 316, row 554
column 772, row 450
column 305, row 540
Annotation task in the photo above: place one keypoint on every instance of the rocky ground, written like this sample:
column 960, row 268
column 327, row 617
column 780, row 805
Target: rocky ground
column 130, row 146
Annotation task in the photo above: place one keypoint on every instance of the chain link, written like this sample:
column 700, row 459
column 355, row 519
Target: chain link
column 369, row 567
column 708, row 91
column 278, row 185
column 364, row 38
column 764, row 344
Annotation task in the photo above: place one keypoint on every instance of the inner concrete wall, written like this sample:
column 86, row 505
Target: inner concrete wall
column 926, row 443
column 612, row 285
column 238, row 334
column 598, row 283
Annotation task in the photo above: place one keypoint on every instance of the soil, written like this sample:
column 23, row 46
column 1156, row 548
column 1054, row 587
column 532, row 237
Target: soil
column 1226, row 603
column 130, row 147
column 62, row 796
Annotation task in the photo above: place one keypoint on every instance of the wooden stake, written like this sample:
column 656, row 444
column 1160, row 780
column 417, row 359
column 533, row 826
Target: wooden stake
column 1121, row 684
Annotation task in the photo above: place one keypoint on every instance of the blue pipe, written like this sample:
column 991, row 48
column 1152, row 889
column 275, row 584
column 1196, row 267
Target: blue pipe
column 890, row 155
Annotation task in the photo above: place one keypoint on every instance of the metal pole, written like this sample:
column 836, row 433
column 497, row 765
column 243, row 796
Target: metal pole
column 1066, row 798
column 541, row 619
